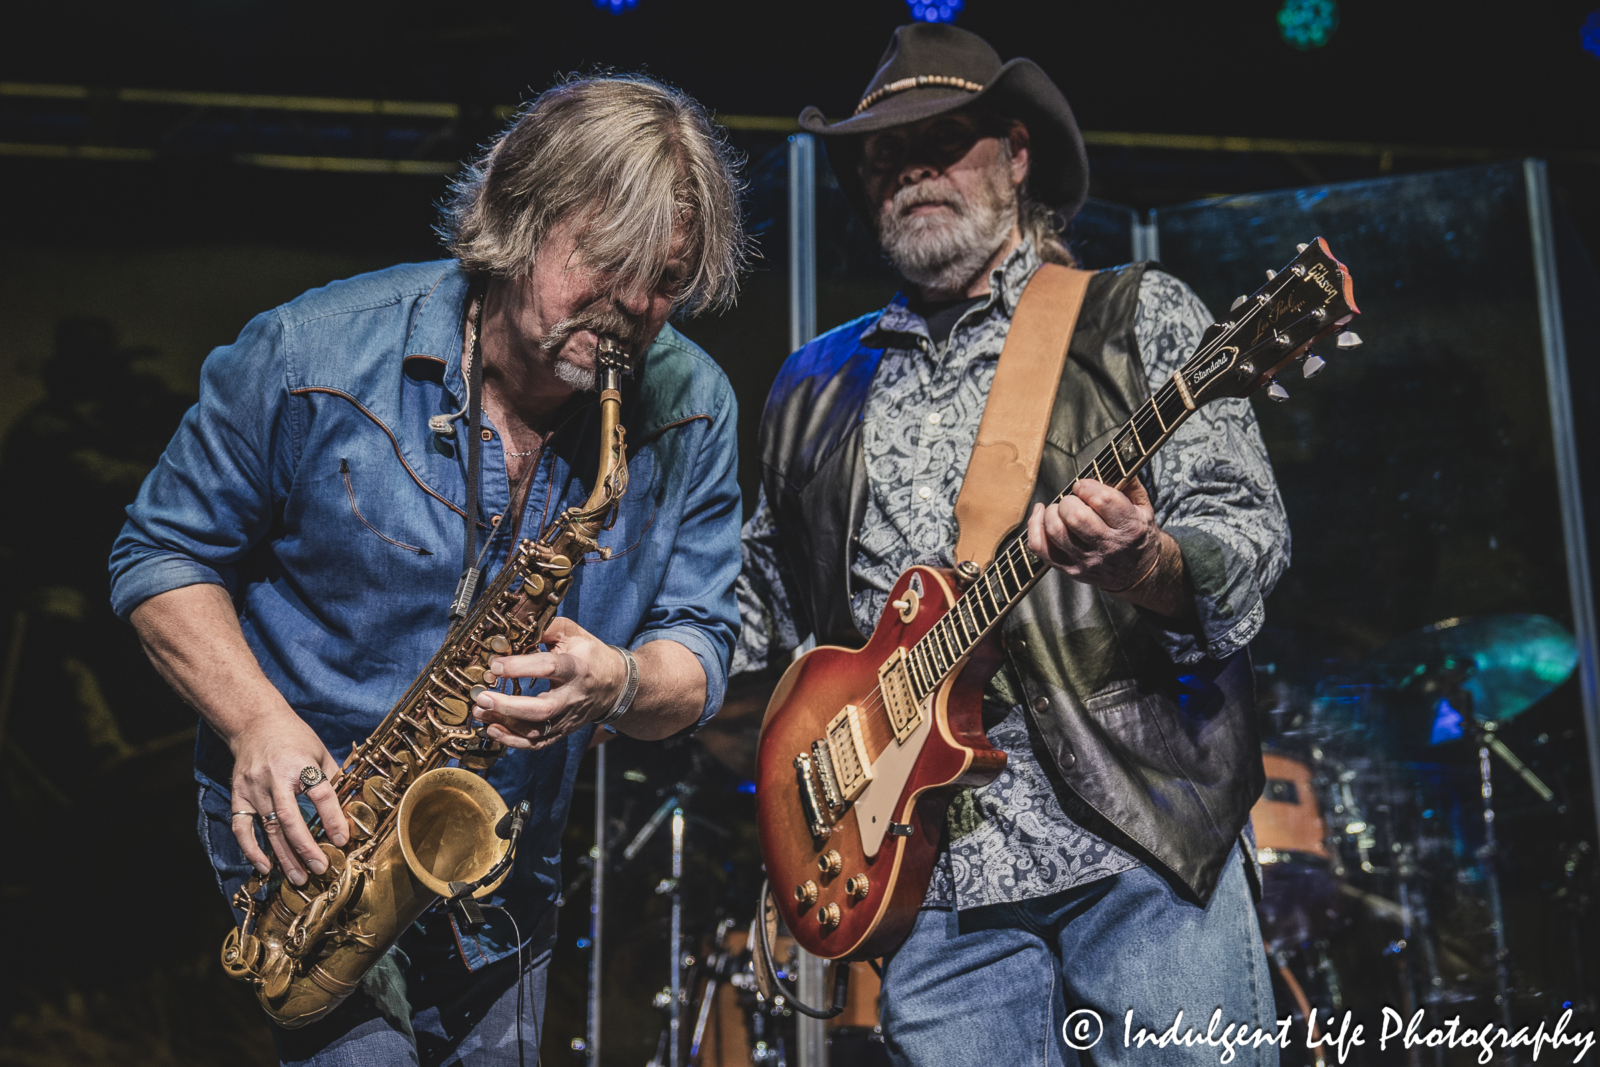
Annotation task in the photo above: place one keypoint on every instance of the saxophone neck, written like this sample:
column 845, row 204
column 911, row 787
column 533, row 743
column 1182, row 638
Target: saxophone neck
column 611, row 480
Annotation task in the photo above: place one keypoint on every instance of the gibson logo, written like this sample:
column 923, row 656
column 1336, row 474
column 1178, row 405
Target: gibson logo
column 1218, row 362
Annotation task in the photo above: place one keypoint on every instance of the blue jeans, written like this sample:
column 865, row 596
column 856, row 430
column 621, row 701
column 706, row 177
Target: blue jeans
column 994, row 985
column 457, row 1016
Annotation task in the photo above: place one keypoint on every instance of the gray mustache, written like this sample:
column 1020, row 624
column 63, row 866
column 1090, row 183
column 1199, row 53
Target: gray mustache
column 611, row 323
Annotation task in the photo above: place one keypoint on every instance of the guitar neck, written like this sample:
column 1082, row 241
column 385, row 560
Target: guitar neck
column 1016, row 570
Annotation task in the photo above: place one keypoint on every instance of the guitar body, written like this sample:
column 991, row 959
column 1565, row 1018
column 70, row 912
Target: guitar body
column 911, row 781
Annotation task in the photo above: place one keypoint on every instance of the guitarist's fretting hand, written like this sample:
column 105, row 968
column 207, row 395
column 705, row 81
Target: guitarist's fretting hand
column 1110, row 539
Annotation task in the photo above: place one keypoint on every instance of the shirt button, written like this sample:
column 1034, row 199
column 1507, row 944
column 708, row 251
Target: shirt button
column 933, row 418
column 925, row 492
column 494, row 520
column 487, row 435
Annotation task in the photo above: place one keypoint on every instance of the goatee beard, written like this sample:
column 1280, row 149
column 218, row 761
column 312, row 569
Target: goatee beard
column 942, row 254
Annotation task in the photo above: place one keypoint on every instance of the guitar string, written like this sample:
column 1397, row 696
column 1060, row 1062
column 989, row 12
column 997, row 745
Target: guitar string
column 1016, row 552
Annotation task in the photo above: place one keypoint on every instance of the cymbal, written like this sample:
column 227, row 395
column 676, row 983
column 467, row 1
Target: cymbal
column 1492, row 667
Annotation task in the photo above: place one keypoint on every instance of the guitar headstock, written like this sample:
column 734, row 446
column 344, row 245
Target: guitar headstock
column 1310, row 299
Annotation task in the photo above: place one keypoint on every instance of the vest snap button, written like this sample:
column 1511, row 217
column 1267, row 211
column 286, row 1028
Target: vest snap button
column 1067, row 757
column 1041, row 704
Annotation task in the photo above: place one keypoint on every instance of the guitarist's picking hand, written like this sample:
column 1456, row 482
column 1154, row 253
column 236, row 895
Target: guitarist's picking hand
column 1109, row 539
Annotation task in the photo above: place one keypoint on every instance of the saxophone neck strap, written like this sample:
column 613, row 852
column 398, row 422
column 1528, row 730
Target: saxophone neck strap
column 1005, row 460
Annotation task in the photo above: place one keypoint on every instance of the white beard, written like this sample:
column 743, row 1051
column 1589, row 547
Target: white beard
column 942, row 253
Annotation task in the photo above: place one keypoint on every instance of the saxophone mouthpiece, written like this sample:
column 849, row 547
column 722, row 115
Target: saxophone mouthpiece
column 611, row 362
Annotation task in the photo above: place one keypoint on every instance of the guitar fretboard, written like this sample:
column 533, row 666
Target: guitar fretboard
column 1015, row 569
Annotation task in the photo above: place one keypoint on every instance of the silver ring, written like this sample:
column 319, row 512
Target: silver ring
column 270, row 817
column 311, row 776
column 236, row 814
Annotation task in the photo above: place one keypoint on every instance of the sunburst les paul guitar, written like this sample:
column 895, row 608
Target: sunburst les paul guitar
column 862, row 750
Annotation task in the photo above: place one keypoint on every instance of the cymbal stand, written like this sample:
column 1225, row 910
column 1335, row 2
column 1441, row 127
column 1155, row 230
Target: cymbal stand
column 1490, row 855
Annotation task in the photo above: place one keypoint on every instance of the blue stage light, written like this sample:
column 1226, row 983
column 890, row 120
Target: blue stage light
column 616, row 7
column 1591, row 34
column 1447, row 723
column 1308, row 24
column 938, row 11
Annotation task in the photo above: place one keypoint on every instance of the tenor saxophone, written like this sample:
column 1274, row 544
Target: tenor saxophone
column 425, row 824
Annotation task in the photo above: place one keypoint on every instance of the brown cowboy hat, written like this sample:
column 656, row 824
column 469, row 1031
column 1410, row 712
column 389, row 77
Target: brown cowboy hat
column 931, row 68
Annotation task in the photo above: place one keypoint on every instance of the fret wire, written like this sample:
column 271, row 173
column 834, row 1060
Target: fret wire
column 914, row 659
column 936, row 649
column 980, row 615
column 1155, row 409
column 967, row 626
column 946, row 645
column 1011, row 566
column 997, row 601
column 1133, row 428
column 986, row 600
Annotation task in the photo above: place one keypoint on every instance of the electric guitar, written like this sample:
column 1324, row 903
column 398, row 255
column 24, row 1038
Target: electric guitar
column 861, row 751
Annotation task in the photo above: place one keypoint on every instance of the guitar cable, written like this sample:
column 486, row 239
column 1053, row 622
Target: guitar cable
column 841, row 973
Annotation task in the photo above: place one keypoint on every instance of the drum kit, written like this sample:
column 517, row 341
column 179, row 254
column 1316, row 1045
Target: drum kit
column 1376, row 833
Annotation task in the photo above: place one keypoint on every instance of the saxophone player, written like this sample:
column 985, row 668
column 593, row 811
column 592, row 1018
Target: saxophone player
column 290, row 562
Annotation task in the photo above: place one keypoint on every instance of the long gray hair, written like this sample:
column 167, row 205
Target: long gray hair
column 633, row 161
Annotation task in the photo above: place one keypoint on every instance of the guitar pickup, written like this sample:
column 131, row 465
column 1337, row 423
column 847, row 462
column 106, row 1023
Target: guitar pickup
column 810, row 803
column 848, row 764
column 894, row 682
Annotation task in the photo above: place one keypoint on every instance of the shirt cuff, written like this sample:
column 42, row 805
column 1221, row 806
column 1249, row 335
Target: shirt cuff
column 1229, row 611
column 711, row 662
column 157, row 575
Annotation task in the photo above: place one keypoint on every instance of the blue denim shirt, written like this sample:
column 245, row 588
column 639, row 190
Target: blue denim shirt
column 307, row 483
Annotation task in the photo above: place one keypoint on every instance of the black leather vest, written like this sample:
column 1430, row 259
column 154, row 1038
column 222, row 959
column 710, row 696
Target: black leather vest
column 1162, row 760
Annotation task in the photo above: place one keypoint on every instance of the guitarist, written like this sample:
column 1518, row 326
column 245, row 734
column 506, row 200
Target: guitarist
column 1105, row 868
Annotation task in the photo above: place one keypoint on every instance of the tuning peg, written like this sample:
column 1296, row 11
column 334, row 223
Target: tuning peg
column 1236, row 302
column 1349, row 339
column 1312, row 364
column 1277, row 392
column 1301, row 247
column 1271, row 274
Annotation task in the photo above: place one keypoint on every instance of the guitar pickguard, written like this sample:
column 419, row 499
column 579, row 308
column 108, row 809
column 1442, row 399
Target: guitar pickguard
column 875, row 807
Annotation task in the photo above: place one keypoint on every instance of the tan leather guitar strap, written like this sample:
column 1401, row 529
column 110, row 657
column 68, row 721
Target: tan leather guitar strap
column 1005, row 460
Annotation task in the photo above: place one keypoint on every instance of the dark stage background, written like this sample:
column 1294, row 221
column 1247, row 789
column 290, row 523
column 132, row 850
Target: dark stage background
column 144, row 230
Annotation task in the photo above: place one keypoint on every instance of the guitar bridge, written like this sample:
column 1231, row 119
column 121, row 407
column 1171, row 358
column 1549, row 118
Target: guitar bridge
column 894, row 682
column 810, row 803
column 848, row 764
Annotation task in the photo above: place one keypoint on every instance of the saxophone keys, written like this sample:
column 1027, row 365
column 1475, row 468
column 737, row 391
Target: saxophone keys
column 453, row 711
column 500, row 644
column 535, row 585
column 241, row 953
column 276, row 975
column 379, row 793
column 362, row 819
column 474, row 674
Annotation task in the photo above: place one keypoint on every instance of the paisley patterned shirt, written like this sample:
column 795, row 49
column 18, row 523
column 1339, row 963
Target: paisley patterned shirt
column 1212, row 489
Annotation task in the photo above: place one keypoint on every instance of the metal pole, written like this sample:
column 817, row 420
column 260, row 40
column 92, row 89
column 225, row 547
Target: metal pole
column 676, row 1059
column 802, row 239
column 811, row 1035
column 597, row 890
column 1553, row 331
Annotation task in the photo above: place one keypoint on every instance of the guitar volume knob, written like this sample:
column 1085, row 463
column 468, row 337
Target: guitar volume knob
column 805, row 894
column 830, row 862
column 828, row 917
column 858, row 886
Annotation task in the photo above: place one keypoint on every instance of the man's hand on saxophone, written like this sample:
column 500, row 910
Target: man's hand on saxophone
column 586, row 679
column 192, row 635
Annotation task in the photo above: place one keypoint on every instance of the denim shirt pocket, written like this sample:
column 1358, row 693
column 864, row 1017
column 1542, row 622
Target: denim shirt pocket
column 355, row 508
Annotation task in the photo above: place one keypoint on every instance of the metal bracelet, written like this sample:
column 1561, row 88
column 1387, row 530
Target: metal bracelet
column 629, row 690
